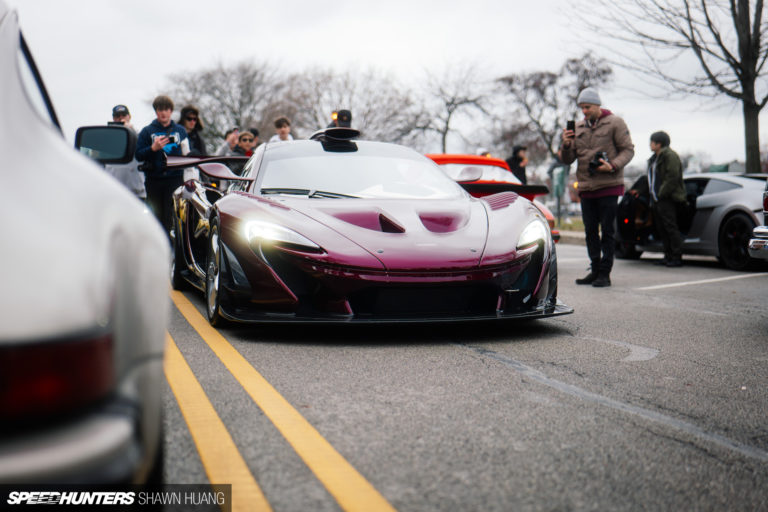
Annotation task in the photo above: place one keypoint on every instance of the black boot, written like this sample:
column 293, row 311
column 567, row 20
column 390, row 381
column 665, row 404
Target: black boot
column 588, row 279
column 602, row 281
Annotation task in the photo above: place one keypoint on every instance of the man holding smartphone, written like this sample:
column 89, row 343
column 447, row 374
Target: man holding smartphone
column 602, row 146
column 156, row 141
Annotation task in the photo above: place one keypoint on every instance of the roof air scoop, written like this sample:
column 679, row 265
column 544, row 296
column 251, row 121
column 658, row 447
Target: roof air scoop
column 337, row 139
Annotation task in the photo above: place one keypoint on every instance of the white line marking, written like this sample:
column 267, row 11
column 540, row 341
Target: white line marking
column 703, row 281
column 650, row 415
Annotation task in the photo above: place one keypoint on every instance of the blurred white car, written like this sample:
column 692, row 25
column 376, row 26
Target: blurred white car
column 84, row 300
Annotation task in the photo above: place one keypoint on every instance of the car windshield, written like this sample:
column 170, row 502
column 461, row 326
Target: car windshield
column 490, row 172
column 365, row 174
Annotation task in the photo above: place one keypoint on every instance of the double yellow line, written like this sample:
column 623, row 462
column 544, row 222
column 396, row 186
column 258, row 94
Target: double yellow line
column 222, row 460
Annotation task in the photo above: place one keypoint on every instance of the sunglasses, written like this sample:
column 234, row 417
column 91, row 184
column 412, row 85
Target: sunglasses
column 191, row 118
column 246, row 140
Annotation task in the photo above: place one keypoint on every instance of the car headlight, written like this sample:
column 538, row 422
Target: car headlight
column 535, row 230
column 268, row 232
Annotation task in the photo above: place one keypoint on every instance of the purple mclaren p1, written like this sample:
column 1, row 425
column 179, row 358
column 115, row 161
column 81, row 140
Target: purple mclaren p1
column 339, row 230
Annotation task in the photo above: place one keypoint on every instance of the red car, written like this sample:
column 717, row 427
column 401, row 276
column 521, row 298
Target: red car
column 339, row 230
column 496, row 177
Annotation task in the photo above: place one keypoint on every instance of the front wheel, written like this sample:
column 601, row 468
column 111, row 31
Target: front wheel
column 733, row 241
column 177, row 261
column 213, row 276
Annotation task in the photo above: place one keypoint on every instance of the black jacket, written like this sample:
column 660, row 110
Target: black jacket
column 196, row 143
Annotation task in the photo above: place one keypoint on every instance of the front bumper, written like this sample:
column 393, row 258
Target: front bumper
column 304, row 290
column 758, row 245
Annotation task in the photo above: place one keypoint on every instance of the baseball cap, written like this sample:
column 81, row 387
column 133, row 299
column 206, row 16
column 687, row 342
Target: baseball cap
column 120, row 110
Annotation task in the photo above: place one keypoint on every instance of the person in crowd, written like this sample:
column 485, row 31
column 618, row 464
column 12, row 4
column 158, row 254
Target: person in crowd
column 517, row 163
column 282, row 129
column 602, row 145
column 245, row 144
column 190, row 119
column 127, row 174
column 156, row 141
column 230, row 141
column 667, row 192
column 255, row 132
column 341, row 118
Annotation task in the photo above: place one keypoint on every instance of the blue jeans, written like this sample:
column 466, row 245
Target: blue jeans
column 599, row 216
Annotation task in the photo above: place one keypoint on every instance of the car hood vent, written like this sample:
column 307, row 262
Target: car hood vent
column 443, row 222
column 373, row 220
column 501, row 200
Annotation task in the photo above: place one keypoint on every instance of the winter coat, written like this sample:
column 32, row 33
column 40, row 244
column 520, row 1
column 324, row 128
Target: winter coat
column 196, row 144
column 610, row 134
column 668, row 181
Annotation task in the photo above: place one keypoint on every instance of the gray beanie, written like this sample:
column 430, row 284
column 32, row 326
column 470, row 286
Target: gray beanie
column 588, row 95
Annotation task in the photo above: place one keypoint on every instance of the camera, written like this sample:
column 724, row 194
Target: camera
column 570, row 125
column 595, row 162
column 173, row 138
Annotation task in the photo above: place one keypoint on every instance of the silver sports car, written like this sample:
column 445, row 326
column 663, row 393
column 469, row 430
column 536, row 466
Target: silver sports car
column 721, row 211
column 84, row 300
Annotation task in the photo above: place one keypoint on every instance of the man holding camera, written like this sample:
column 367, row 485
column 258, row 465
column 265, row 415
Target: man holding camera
column 602, row 146
column 158, row 140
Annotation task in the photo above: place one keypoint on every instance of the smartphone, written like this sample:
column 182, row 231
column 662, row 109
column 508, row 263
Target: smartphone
column 570, row 125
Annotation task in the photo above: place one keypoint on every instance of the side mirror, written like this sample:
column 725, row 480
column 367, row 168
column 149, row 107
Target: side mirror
column 106, row 144
column 469, row 174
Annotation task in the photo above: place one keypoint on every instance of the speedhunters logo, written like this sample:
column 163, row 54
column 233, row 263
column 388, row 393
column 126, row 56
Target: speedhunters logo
column 171, row 497
column 70, row 498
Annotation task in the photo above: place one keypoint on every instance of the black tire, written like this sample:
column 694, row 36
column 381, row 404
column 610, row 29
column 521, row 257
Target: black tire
column 213, row 276
column 627, row 251
column 733, row 240
column 177, row 262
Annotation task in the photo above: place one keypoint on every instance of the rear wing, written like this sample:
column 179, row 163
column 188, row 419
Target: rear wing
column 527, row 191
column 180, row 162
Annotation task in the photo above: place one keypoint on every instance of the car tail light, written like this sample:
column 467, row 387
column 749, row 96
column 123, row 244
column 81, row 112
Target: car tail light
column 55, row 376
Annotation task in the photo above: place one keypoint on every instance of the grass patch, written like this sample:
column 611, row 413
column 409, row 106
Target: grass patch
column 571, row 223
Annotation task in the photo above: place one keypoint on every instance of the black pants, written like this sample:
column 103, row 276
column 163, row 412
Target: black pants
column 599, row 216
column 665, row 219
column 160, row 199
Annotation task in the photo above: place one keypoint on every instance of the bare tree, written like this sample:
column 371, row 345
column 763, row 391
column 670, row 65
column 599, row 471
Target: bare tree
column 227, row 96
column 520, row 134
column 382, row 109
column 253, row 95
column 726, row 38
column 543, row 100
column 460, row 90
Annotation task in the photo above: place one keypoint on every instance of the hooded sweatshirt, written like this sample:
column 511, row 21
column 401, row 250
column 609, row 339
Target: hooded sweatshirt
column 156, row 159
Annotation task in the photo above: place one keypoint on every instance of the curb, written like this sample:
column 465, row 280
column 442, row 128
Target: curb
column 572, row 237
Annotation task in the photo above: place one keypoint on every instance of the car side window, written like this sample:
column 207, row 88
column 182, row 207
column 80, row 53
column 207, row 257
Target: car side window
column 695, row 187
column 714, row 186
column 248, row 170
column 33, row 84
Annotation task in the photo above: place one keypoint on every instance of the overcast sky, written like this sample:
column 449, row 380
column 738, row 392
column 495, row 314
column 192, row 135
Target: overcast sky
column 94, row 54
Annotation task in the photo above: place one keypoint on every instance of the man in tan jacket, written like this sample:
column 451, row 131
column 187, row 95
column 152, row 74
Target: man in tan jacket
column 602, row 146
